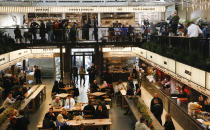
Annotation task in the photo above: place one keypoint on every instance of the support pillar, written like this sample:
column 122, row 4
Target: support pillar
column 98, row 60
column 99, row 19
column 61, row 62
column 67, row 64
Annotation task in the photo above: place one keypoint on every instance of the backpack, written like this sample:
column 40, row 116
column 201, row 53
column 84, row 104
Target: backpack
column 56, row 25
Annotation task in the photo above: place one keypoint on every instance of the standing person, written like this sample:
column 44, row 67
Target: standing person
column 42, row 30
column 193, row 30
column 73, row 33
column 22, row 122
column 169, row 125
column 18, row 35
column 204, row 30
column 156, row 110
column 92, row 73
column 157, row 102
column 26, row 32
column 33, row 29
column 82, row 75
column 174, row 23
column 37, row 75
column 75, row 74
column 49, row 29
column 95, row 33
column 86, row 27
column 130, row 33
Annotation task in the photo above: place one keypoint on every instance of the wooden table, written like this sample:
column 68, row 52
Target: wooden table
column 97, row 94
column 67, row 88
column 89, row 122
column 62, row 95
column 40, row 91
column 76, row 108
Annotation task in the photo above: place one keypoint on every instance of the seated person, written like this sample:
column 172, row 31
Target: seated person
column 14, row 115
column 103, row 86
column 206, row 106
column 166, row 83
column 94, row 86
column 70, row 102
column 61, row 84
column 48, row 123
column 51, row 115
column 182, row 94
column 57, row 102
column 89, row 110
column 72, row 84
column 55, row 89
column 9, row 101
column 65, row 113
column 138, row 90
column 101, row 112
column 60, row 122
column 20, row 94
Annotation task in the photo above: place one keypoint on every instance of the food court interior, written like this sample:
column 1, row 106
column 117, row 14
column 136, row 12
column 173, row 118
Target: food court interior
column 105, row 65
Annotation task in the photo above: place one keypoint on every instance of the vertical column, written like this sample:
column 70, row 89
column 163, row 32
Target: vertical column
column 63, row 15
column 61, row 61
column 67, row 63
column 98, row 60
column 99, row 19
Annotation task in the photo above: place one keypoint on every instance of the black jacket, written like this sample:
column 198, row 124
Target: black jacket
column 169, row 125
column 22, row 123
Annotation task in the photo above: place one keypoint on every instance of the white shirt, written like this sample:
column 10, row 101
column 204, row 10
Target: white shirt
column 69, row 103
column 193, row 30
column 141, row 126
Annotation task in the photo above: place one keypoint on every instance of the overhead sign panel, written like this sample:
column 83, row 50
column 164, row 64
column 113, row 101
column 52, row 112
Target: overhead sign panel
column 44, row 9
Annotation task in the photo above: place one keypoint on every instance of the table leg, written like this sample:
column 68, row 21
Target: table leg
column 108, row 127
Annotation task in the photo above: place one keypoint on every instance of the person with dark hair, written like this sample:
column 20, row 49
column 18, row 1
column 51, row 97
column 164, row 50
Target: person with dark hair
column 206, row 106
column 37, row 75
column 55, row 89
column 21, row 121
column 85, row 30
column 48, row 123
column 82, row 75
column 89, row 111
column 94, row 86
column 51, row 115
column 92, row 73
column 141, row 124
column 75, row 74
column 174, row 23
column 156, row 107
column 33, row 29
column 169, row 125
column 157, row 110
column 18, row 35
column 73, row 33
column 42, row 30
column 101, row 111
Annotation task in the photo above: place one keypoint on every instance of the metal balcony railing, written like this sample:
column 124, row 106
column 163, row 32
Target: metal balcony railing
column 191, row 51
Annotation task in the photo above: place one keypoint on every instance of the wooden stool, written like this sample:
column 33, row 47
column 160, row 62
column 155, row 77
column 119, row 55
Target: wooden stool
column 108, row 101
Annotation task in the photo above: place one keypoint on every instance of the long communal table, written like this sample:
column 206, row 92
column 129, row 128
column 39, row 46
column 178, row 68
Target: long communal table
column 86, row 122
column 37, row 91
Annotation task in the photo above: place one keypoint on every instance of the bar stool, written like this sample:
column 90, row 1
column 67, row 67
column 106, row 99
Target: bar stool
column 108, row 101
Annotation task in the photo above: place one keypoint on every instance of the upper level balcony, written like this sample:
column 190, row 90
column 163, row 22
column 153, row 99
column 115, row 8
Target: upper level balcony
column 191, row 51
